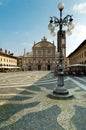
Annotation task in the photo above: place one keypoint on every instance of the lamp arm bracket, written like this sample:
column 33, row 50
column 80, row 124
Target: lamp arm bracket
column 67, row 19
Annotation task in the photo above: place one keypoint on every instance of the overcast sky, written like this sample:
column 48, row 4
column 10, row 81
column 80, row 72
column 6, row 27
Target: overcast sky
column 24, row 21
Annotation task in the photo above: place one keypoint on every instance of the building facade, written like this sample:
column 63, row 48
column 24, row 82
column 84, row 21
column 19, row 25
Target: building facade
column 19, row 61
column 77, row 59
column 7, row 59
column 78, row 56
column 42, row 56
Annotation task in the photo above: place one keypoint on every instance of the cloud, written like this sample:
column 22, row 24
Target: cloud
column 77, row 37
column 80, row 32
column 80, row 8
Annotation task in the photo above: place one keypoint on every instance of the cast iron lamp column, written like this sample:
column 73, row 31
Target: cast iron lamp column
column 60, row 91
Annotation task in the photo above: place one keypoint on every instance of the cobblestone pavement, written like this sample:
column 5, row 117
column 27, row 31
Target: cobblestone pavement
column 24, row 104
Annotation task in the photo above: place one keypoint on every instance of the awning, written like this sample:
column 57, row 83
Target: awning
column 77, row 65
column 9, row 67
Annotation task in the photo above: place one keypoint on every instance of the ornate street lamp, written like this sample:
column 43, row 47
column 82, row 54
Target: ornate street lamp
column 61, row 91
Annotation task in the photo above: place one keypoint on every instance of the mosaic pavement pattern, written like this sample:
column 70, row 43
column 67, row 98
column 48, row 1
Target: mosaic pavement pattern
column 24, row 104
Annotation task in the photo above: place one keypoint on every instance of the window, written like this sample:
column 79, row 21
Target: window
column 49, row 52
column 48, row 61
column 29, row 61
column 85, row 53
column 39, row 61
column 38, row 53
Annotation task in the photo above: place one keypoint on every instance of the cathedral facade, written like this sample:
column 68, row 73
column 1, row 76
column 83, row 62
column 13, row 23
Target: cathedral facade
column 42, row 56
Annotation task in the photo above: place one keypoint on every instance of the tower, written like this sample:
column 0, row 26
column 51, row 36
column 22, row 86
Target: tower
column 24, row 51
column 63, row 41
column 63, row 45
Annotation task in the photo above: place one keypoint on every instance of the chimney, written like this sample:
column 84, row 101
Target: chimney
column 1, row 49
column 6, row 51
column 9, row 52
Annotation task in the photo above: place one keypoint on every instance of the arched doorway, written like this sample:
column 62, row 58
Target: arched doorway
column 39, row 67
column 29, row 67
column 48, row 67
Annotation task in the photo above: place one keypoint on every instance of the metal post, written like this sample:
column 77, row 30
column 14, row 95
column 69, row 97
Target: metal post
column 60, row 91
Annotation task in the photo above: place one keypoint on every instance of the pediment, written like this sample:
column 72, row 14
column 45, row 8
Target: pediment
column 37, row 45
column 43, row 44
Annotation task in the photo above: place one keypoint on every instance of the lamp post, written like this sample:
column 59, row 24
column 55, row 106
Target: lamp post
column 60, row 91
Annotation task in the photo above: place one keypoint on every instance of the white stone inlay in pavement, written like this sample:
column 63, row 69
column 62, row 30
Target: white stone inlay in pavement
column 66, row 106
column 78, row 83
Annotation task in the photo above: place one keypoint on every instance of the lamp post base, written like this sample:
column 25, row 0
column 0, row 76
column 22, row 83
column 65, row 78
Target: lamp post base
column 60, row 93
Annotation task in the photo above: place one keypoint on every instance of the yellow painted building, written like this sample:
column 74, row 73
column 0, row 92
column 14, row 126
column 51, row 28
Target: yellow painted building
column 7, row 59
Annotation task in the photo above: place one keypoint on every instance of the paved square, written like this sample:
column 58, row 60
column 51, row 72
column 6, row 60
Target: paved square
column 24, row 104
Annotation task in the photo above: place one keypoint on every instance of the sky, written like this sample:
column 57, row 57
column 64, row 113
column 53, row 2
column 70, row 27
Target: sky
column 24, row 21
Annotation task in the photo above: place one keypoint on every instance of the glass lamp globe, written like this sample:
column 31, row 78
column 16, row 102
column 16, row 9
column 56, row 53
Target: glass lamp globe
column 51, row 26
column 60, row 6
column 69, row 32
column 53, row 33
column 70, row 25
